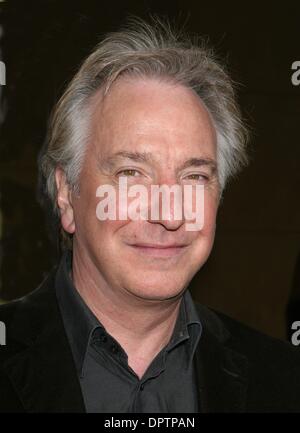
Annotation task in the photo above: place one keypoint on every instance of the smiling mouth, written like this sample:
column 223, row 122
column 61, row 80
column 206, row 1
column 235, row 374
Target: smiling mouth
column 156, row 250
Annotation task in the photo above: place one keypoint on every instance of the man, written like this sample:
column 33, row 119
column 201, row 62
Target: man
column 114, row 328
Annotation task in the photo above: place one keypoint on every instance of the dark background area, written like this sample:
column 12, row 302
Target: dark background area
column 251, row 270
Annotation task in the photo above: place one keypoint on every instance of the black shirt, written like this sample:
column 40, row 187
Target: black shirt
column 108, row 383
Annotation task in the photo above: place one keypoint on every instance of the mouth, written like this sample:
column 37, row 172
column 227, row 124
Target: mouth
column 159, row 250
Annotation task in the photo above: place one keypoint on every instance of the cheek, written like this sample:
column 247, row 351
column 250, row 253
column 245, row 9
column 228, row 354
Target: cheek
column 109, row 228
column 210, row 213
column 211, row 203
column 205, row 237
column 106, row 237
column 210, row 218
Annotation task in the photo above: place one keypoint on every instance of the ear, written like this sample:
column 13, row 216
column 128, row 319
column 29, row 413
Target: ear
column 64, row 201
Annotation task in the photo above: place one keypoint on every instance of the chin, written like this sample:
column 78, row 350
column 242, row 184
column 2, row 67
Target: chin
column 157, row 289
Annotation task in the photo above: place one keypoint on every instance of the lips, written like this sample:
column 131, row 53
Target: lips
column 159, row 246
column 159, row 250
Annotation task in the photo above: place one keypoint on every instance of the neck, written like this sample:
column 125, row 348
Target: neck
column 141, row 326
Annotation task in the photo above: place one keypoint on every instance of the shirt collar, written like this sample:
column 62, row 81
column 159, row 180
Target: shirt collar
column 80, row 323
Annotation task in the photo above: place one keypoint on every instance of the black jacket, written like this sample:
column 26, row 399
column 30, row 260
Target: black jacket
column 238, row 369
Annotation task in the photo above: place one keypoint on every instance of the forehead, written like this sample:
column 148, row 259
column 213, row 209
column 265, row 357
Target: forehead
column 149, row 115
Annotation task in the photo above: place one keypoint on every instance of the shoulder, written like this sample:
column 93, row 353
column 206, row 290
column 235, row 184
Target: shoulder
column 24, row 317
column 273, row 365
column 246, row 339
column 258, row 346
column 29, row 301
column 8, row 312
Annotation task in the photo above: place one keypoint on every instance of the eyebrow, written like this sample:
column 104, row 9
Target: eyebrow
column 112, row 160
column 147, row 157
column 199, row 162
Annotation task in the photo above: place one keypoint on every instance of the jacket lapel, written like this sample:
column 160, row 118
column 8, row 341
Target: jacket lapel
column 221, row 372
column 42, row 369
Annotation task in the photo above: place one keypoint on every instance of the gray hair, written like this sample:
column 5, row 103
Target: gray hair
column 144, row 50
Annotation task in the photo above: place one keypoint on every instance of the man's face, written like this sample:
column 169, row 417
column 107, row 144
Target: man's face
column 153, row 133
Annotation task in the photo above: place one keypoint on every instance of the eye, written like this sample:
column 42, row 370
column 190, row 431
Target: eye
column 128, row 172
column 196, row 177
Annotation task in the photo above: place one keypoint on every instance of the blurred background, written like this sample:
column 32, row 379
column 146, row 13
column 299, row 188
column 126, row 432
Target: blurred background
column 252, row 274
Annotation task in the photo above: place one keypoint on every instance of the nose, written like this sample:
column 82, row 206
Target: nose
column 166, row 206
column 168, row 224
